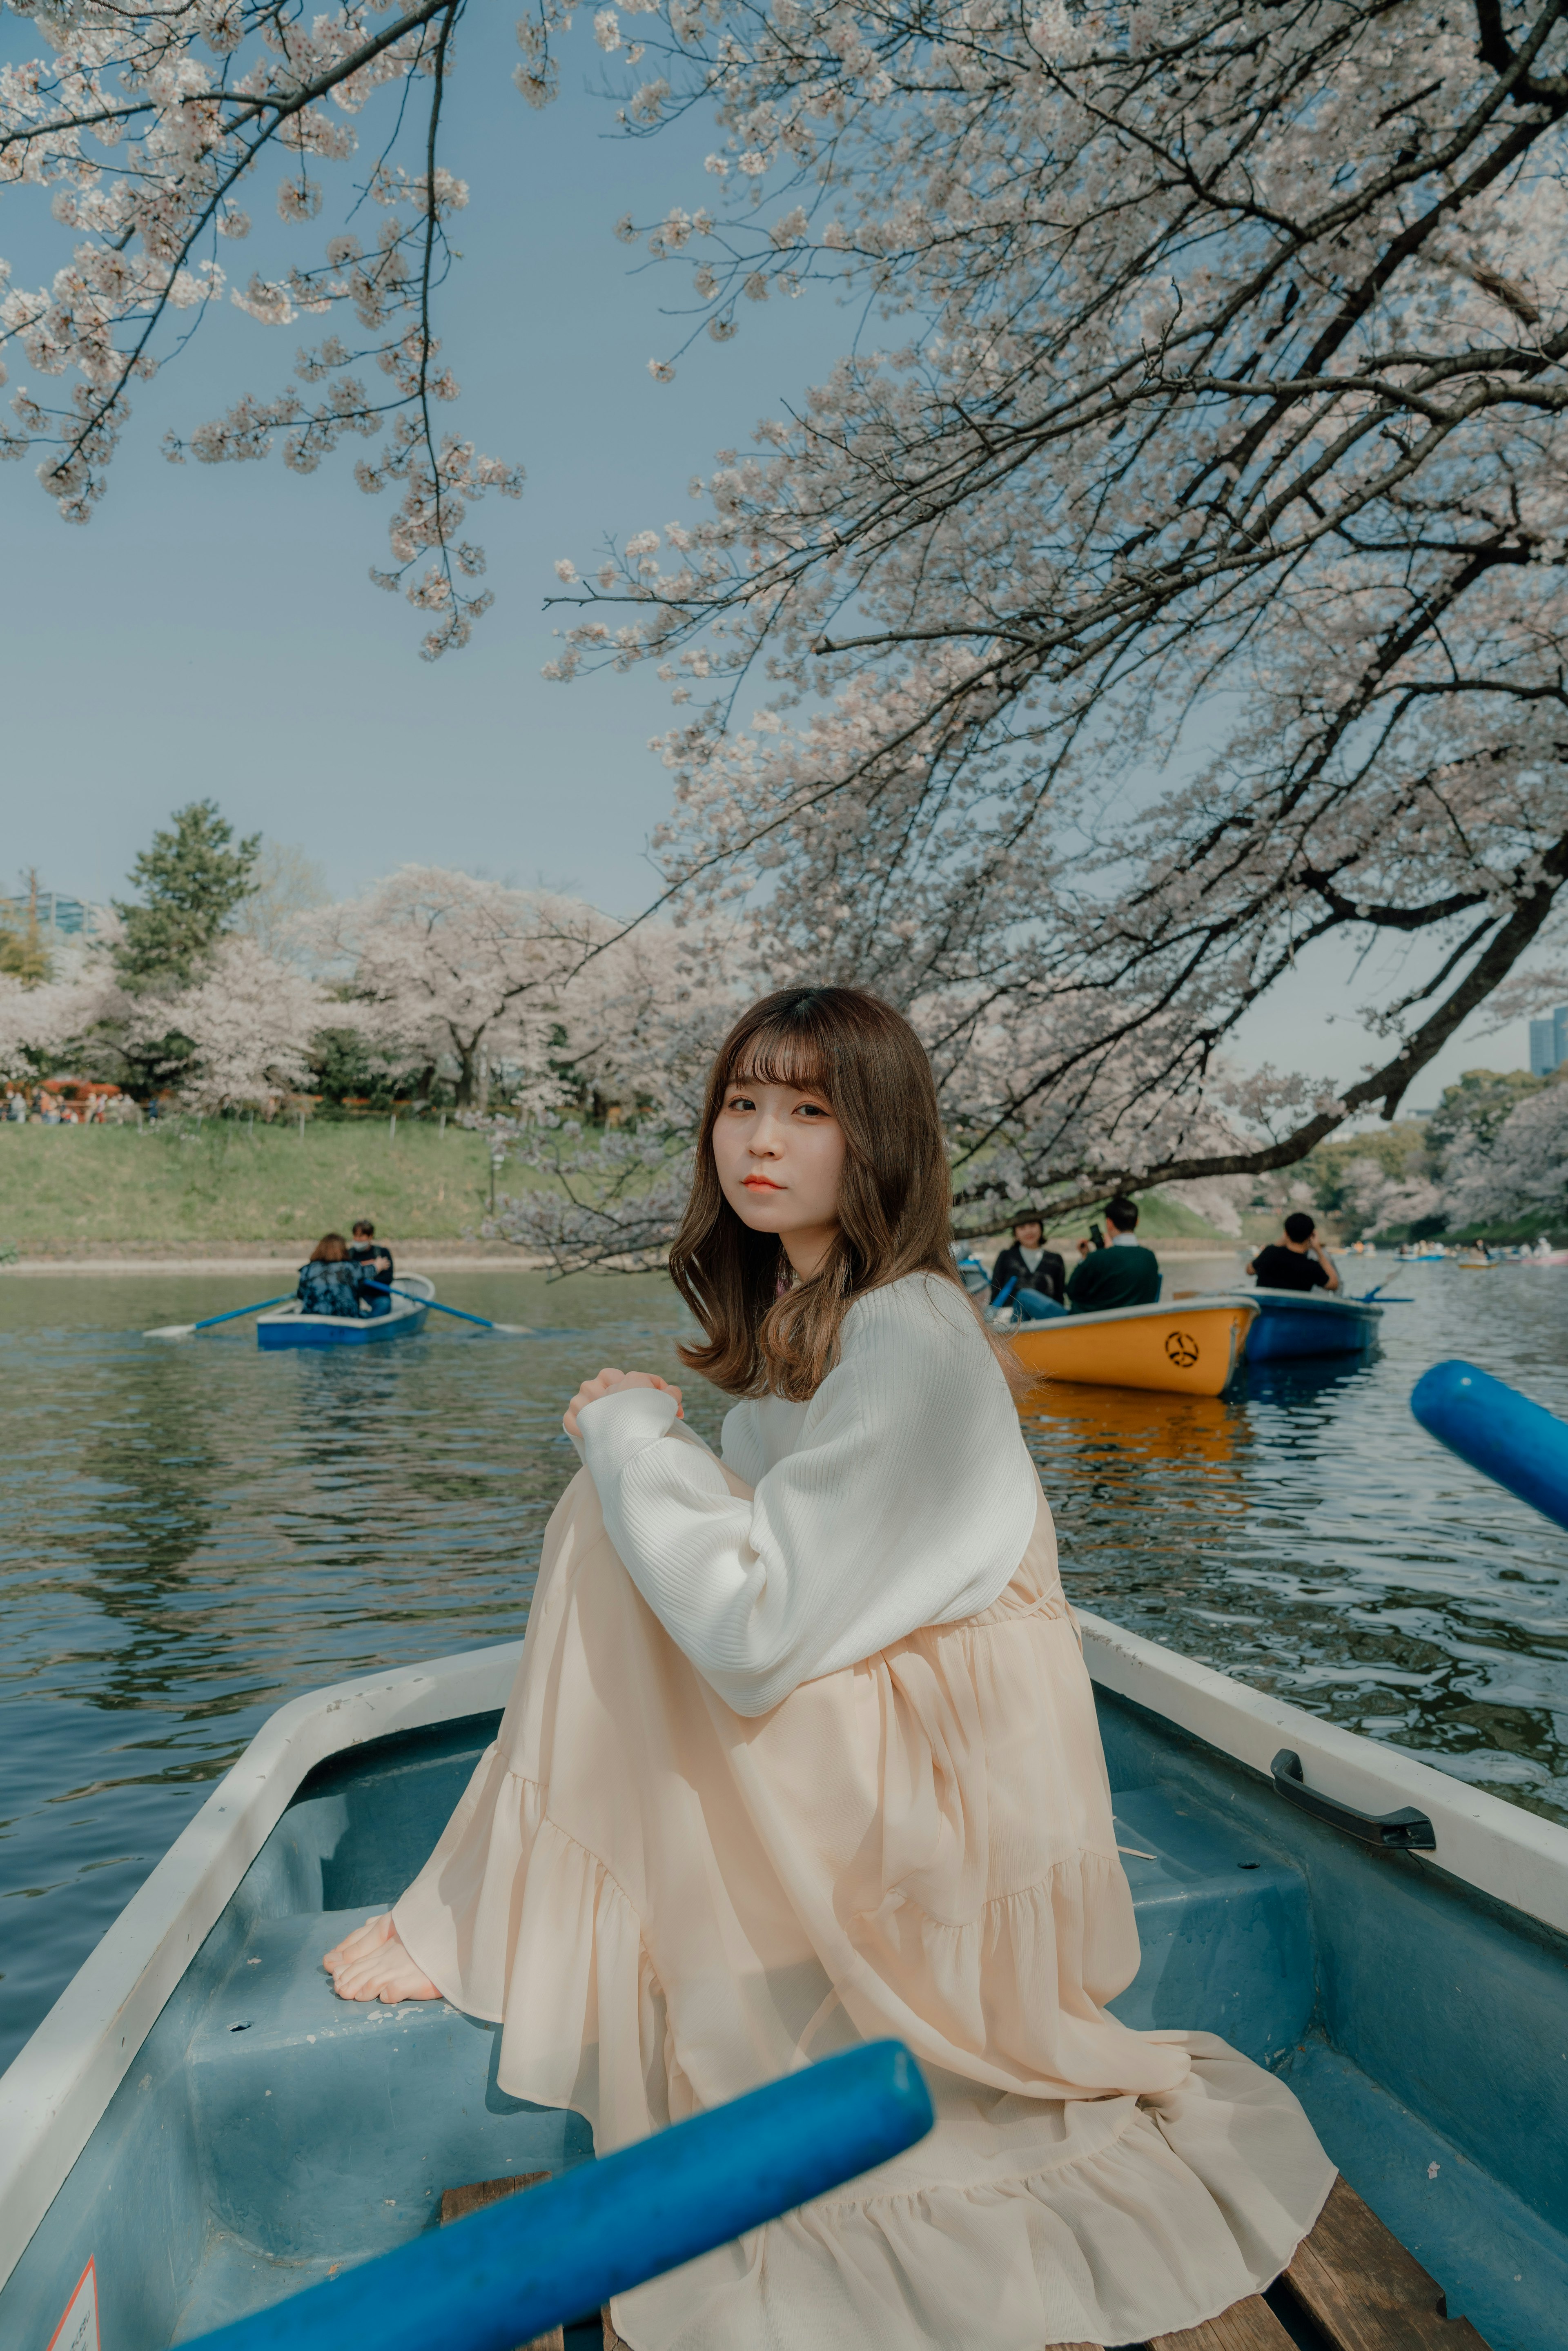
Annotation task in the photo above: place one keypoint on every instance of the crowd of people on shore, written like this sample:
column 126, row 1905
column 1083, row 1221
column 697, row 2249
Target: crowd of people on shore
column 72, row 1104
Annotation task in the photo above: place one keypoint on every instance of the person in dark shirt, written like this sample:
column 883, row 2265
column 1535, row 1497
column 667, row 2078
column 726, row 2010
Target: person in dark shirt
column 375, row 1262
column 1301, row 1263
column 328, row 1284
column 1036, row 1274
column 1122, row 1273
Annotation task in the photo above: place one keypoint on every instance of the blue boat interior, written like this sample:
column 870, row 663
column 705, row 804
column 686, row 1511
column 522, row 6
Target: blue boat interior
column 267, row 2135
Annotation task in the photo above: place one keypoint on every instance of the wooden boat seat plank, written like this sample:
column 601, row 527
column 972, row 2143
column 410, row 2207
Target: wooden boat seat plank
column 1248, row 2325
column 1360, row 2285
column 456, row 2203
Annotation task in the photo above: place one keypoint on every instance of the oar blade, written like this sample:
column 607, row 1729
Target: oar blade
column 171, row 1331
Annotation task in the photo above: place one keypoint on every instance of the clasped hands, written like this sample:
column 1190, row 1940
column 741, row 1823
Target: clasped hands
column 606, row 1383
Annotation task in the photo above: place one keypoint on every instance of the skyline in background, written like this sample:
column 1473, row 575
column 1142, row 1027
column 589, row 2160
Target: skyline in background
column 212, row 632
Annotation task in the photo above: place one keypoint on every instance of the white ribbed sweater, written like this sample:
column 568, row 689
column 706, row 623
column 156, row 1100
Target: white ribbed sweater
column 901, row 1495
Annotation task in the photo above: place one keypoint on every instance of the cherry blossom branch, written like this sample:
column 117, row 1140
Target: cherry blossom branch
column 201, row 135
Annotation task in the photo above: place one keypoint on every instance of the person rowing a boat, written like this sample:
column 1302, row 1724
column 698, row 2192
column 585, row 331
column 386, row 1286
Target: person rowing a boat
column 802, row 1752
column 375, row 1261
column 1300, row 1263
column 329, row 1281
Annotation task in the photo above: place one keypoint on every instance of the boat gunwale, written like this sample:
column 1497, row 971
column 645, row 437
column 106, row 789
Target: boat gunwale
column 54, row 2095
column 1201, row 1301
column 1317, row 1301
column 402, row 1310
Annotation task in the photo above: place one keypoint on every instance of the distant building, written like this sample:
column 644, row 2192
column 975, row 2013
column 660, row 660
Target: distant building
column 1549, row 1042
column 58, row 918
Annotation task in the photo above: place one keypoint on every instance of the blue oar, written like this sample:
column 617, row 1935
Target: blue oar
column 1505, row 1435
column 183, row 1330
column 1006, row 1291
column 509, row 2274
column 507, row 1330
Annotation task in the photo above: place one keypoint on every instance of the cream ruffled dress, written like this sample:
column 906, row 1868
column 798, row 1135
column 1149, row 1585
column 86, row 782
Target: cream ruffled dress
column 666, row 1902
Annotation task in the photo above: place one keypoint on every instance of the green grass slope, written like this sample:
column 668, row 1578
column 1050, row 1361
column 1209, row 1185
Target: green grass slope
column 65, row 1189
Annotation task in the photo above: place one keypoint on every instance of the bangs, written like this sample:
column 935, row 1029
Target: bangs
column 776, row 1053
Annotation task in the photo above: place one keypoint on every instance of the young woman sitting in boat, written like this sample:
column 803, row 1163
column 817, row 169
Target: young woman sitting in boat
column 801, row 1750
column 329, row 1281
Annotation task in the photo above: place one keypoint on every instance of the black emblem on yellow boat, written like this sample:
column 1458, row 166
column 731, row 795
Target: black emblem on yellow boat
column 1182, row 1349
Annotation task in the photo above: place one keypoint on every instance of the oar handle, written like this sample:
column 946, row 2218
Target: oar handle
column 1505, row 1435
column 236, row 1311
column 388, row 1290
column 509, row 2274
column 1006, row 1291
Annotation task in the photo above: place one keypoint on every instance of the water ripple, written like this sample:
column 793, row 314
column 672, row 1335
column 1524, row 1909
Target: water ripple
column 190, row 1535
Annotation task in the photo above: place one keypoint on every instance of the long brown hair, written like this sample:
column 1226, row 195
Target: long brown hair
column 765, row 1332
column 331, row 1249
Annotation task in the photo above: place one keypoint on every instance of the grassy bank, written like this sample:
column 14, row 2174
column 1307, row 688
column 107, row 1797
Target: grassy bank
column 71, row 1191
column 67, row 1190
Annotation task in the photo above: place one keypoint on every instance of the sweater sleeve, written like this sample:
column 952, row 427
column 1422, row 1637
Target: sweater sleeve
column 909, row 1499
column 740, row 1443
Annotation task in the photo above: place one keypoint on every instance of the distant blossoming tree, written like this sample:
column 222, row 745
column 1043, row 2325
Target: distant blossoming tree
column 1220, row 414
column 1521, row 1170
column 245, row 1029
column 455, row 974
column 639, row 1023
column 42, row 1024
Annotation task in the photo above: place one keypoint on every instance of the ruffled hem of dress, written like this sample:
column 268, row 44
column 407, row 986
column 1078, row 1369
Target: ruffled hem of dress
column 1157, row 2229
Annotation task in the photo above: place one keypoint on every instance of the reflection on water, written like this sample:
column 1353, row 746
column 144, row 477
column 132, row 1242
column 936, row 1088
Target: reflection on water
column 1302, row 1532
column 190, row 1535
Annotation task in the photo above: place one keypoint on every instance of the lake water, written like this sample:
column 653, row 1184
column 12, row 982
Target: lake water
column 192, row 1534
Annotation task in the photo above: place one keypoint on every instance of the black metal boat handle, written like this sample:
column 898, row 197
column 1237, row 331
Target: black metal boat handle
column 1407, row 1831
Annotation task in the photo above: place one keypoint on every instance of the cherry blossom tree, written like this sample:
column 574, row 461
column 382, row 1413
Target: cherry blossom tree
column 245, row 1029
column 41, row 1025
column 1522, row 1169
column 142, row 124
column 457, row 974
column 1177, row 592
column 237, row 1037
column 639, row 1024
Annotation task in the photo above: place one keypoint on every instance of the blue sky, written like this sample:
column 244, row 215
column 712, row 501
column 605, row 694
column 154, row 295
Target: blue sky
column 212, row 630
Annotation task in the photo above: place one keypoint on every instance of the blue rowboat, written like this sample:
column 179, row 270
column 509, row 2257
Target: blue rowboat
column 1295, row 1323
column 288, row 1327
column 199, row 2129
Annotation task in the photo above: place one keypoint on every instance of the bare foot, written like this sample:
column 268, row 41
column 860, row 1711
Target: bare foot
column 371, row 1964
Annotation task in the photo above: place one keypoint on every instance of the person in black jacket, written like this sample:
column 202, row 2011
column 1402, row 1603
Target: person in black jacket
column 375, row 1261
column 1038, row 1273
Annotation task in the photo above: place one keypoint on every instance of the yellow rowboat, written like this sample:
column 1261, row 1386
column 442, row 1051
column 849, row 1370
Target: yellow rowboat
column 1188, row 1348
